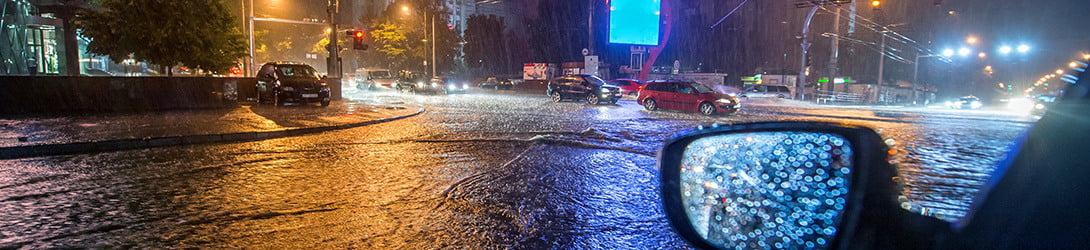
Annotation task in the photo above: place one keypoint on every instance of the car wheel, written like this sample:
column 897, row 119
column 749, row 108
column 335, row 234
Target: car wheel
column 650, row 104
column 781, row 96
column 325, row 103
column 707, row 109
column 557, row 97
column 593, row 99
column 259, row 99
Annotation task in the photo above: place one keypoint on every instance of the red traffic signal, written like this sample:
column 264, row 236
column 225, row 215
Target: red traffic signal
column 358, row 39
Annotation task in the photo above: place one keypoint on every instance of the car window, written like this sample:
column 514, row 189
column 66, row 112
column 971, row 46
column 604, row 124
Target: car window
column 296, row 71
column 700, row 88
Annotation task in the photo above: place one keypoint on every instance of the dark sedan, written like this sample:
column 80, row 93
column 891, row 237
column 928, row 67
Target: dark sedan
column 280, row 83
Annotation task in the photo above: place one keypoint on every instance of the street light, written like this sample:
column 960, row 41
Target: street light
column 1005, row 50
column 1073, row 64
column 971, row 40
column 964, row 51
column 1059, row 71
column 948, row 52
column 1086, row 56
column 876, row 3
column 981, row 55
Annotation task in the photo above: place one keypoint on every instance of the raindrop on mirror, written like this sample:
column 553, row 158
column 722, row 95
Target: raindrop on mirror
column 733, row 203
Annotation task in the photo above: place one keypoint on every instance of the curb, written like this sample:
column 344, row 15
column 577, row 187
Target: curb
column 129, row 144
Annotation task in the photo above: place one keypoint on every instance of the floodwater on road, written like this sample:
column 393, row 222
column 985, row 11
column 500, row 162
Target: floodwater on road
column 478, row 170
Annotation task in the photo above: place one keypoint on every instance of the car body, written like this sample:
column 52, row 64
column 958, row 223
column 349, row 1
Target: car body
column 408, row 80
column 372, row 79
column 765, row 90
column 686, row 96
column 441, row 84
column 279, row 83
column 628, row 86
column 583, row 87
column 496, row 83
column 965, row 102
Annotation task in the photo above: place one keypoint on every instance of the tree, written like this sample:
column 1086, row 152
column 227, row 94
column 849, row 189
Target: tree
column 485, row 47
column 398, row 37
column 194, row 33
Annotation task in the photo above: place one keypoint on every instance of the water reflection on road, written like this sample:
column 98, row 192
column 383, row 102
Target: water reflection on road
column 480, row 170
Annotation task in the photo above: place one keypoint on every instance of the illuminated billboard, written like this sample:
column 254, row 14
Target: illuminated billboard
column 634, row 22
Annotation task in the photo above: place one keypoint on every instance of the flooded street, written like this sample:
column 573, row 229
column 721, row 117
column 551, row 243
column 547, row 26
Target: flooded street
column 477, row 170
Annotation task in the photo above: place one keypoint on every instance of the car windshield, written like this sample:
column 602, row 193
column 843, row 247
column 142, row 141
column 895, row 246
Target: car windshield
column 380, row 75
column 701, row 88
column 278, row 123
column 296, row 71
column 595, row 80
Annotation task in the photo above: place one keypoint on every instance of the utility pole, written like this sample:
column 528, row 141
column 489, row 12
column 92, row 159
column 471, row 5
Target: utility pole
column 882, row 59
column 250, row 31
column 334, row 65
column 800, row 85
column 835, row 46
column 433, row 41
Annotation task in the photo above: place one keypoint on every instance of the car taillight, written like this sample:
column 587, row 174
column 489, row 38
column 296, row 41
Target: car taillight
column 641, row 87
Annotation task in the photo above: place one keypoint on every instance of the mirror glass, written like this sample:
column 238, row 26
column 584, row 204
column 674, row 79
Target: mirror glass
column 766, row 189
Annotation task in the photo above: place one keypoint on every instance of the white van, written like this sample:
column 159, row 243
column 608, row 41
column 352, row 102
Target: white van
column 765, row 90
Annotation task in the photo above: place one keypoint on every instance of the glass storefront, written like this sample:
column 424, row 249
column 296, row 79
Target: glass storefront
column 29, row 41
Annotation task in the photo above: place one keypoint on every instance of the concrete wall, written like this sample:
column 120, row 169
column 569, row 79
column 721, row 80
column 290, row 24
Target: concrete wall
column 27, row 95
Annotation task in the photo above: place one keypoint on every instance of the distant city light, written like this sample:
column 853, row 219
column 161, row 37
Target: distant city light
column 1005, row 49
column 981, row 55
column 1086, row 56
column 1023, row 48
column 1059, row 71
column 964, row 51
column 1073, row 64
column 971, row 40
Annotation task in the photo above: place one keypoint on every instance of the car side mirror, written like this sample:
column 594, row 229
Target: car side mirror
column 778, row 185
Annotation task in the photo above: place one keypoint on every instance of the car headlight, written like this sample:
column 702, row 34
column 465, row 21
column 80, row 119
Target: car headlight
column 434, row 85
column 727, row 101
column 289, row 89
column 420, row 84
column 604, row 90
column 1039, row 106
column 465, row 86
column 975, row 104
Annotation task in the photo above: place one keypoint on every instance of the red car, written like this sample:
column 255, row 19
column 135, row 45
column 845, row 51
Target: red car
column 628, row 86
column 686, row 96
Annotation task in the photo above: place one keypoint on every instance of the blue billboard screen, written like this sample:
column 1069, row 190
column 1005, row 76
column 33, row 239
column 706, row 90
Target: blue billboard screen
column 634, row 22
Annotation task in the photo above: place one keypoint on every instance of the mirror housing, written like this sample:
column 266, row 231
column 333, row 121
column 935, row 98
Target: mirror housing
column 871, row 214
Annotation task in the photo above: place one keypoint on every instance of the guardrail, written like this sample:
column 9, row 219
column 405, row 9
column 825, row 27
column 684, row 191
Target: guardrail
column 838, row 97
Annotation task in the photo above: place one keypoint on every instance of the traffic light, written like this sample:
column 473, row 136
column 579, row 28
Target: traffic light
column 358, row 39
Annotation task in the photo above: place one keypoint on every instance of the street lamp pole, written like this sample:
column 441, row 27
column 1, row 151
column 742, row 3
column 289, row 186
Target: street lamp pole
column 334, row 65
column 433, row 40
column 250, row 32
column 800, row 84
column 882, row 58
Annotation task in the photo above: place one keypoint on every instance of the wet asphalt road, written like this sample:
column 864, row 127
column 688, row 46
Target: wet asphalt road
column 477, row 170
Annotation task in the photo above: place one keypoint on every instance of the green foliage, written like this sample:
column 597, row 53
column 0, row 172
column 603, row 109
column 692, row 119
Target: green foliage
column 194, row 33
column 397, row 37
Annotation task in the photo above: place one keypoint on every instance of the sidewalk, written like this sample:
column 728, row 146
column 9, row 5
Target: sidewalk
column 28, row 137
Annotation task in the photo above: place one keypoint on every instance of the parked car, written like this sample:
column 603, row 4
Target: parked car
column 628, row 86
column 764, row 90
column 686, row 96
column 280, row 83
column 441, row 84
column 372, row 79
column 496, row 83
column 965, row 102
column 580, row 87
